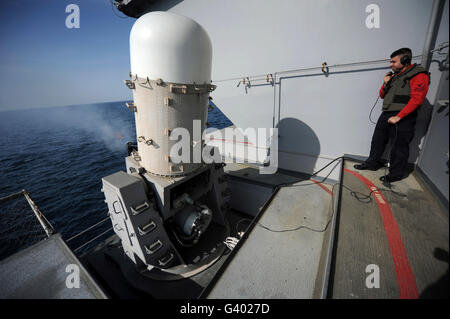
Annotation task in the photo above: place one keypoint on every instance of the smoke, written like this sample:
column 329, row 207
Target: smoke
column 110, row 124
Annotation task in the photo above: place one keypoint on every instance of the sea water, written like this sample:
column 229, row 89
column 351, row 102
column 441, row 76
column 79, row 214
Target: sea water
column 60, row 154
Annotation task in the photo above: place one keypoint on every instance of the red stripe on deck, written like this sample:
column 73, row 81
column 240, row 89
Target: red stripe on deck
column 405, row 277
column 326, row 189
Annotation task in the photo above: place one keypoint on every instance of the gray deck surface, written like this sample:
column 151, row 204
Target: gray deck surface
column 280, row 264
column 39, row 272
column 423, row 226
column 290, row 264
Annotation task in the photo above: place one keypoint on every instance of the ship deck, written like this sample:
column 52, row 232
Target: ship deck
column 403, row 232
column 303, row 238
column 286, row 245
column 339, row 242
column 46, row 270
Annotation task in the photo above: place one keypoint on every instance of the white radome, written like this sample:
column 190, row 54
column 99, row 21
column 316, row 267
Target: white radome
column 171, row 47
column 177, row 50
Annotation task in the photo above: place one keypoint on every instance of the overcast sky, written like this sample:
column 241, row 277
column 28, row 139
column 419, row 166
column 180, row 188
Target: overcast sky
column 44, row 63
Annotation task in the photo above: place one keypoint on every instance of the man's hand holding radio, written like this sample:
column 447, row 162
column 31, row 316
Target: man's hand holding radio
column 388, row 77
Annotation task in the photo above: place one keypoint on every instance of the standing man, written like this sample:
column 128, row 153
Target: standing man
column 403, row 92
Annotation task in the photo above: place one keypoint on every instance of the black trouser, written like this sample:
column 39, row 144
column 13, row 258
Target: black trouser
column 400, row 135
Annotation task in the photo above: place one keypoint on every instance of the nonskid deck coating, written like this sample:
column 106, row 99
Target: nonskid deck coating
column 367, row 236
column 281, row 264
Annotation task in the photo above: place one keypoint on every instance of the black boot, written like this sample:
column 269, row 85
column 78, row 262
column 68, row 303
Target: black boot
column 366, row 166
column 390, row 179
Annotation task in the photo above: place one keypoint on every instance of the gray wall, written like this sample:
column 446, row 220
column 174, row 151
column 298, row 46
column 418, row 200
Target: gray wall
column 434, row 156
column 320, row 117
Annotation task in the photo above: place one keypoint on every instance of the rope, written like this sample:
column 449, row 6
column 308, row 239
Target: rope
column 92, row 239
column 87, row 229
